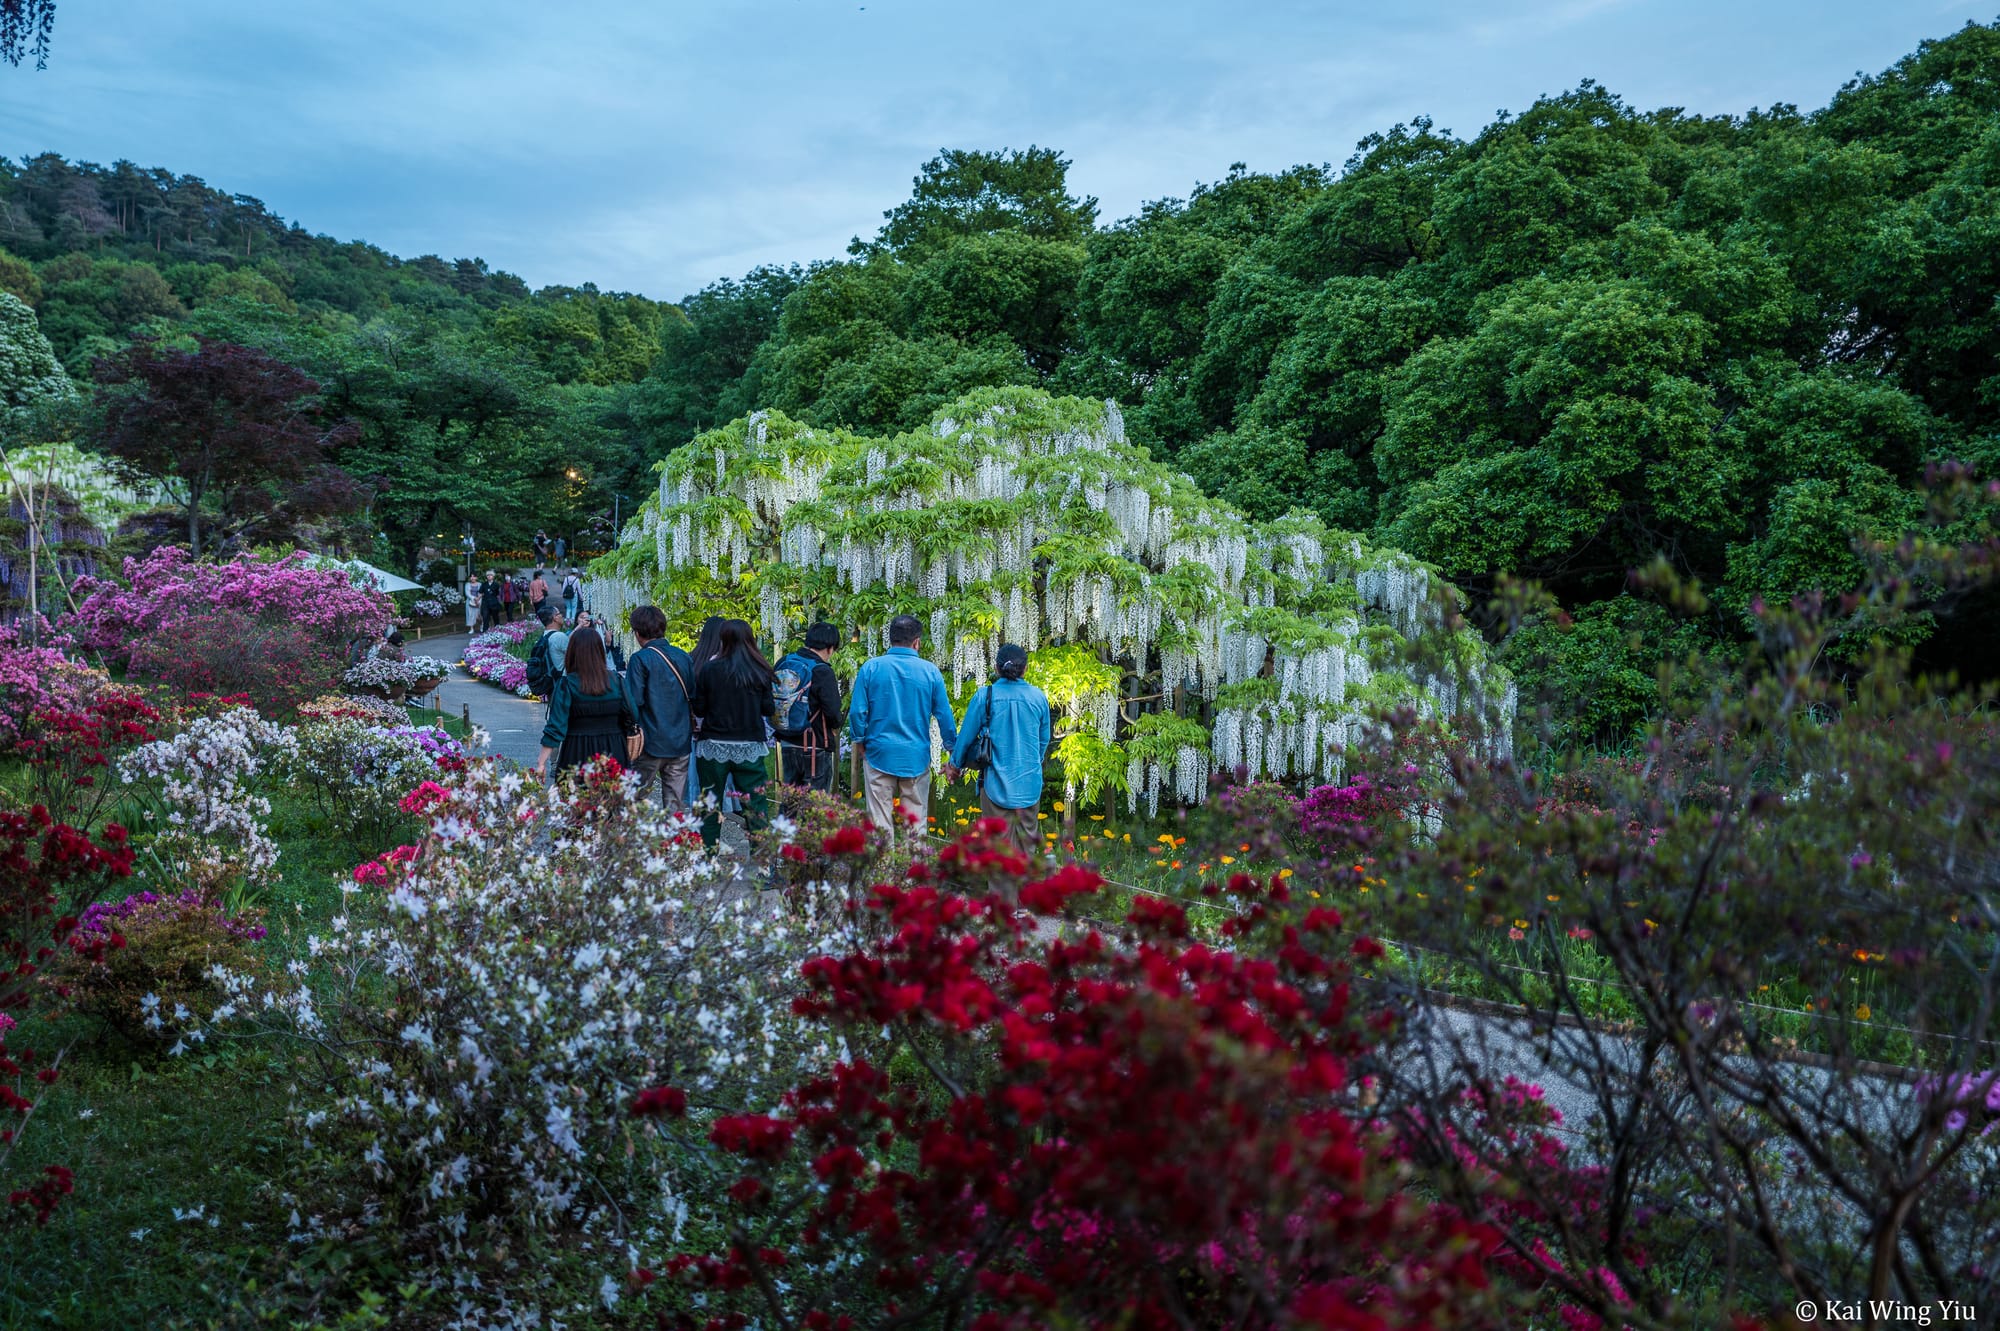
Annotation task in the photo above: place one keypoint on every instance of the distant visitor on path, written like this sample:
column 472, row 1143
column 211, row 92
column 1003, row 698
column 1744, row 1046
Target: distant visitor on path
column 538, row 597
column 546, row 657
column 561, row 551
column 734, row 697
column 658, row 687
column 896, row 697
column 588, row 713
column 541, row 547
column 508, row 613
column 1012, row 717
column 471, row 605
column 808, row 724
column 489, row 601
column 573, row 594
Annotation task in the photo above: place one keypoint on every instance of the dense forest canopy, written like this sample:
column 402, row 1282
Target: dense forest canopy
column 1584, row 338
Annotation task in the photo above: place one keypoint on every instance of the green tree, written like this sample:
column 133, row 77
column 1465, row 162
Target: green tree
column 30, row 374
column 968, row 193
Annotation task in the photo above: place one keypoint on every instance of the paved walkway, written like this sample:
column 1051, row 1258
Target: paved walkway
column 514, row 723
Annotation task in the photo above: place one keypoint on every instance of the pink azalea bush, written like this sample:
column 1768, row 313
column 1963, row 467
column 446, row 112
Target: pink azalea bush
column 276, row 630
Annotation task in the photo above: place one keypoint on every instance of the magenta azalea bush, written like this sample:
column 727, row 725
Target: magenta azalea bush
column 276, row 630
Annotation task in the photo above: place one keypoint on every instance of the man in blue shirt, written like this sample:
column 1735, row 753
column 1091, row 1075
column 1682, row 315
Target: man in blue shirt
column 896, row 697
column 656, row 685
column 1014, row 714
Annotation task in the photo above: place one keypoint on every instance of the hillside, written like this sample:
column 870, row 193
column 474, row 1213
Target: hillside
column 1587, row 337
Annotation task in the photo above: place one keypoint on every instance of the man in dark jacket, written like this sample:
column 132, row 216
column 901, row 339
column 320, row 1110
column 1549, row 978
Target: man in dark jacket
column 489, row 602
column 657, row 685
column 808, row 753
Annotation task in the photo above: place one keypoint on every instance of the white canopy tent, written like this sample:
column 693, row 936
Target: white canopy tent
column 367, row 575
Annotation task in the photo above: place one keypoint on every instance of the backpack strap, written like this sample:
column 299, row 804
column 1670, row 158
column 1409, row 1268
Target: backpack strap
column 654, row 648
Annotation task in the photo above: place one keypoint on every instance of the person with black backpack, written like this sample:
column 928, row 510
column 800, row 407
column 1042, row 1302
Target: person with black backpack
column 809, row 714
column 1005, row 739
column 545, row 658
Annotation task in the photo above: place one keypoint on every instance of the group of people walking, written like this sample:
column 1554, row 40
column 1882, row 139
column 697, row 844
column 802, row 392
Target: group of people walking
column 722, row 722
column 502, row 598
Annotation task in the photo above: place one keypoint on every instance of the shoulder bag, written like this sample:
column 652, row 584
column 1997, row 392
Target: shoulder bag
column 979, row 754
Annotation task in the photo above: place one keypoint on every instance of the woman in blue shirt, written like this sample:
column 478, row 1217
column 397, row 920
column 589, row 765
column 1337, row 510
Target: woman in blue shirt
column 1014, row 714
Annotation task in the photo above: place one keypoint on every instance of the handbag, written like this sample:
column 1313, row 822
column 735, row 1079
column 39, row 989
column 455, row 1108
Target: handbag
column 979, row 754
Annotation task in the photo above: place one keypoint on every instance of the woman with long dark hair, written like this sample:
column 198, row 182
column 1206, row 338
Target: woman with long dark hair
column 734, row 697
column 706, row 644
column 588, row 712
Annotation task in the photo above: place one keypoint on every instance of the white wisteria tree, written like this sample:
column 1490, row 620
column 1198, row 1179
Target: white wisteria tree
column 1177, row 637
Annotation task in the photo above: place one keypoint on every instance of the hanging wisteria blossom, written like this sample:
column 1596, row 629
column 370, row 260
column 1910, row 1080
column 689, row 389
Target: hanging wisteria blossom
column 1027, row 518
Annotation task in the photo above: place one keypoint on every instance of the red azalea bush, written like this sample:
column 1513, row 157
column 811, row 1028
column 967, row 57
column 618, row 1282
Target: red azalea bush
column 275, row 629
column 1033, row 1131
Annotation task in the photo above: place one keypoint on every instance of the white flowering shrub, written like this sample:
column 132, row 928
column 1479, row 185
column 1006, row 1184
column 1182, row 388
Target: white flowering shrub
column 208, row 820
column 488, row 1003
column 356, row 771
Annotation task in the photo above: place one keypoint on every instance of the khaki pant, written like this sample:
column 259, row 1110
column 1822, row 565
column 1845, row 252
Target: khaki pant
column 884, row 790
column 672, row 774
column 1023, row 825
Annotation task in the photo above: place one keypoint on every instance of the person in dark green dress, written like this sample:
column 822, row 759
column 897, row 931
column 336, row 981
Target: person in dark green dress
column 588, row 712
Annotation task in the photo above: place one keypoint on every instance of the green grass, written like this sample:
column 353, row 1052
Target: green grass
column 146, row 1134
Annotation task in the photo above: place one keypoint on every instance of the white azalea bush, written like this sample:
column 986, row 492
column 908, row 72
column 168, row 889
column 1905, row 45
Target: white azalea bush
column 486, row 1007
column 356, row 771
column 208, row 816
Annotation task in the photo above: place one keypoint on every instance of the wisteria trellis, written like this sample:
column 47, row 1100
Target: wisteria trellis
column 1027, row 518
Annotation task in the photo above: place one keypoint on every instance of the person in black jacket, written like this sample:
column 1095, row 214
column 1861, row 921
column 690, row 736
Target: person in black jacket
column 806, row 756
column 588, row 712
column 734, row 698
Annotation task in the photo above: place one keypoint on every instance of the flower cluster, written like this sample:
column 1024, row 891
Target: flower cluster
column 381, row 672
column 498, row 993
column 445, row 594
column 434, row 742
column 488, row 658
column 353, row 707
column 1079, row 1131
column 428, row 607
column 377, row 672
column 131, row 961
column 356, row 769
column 277, row 629
column 101, row 919
column 210, row 831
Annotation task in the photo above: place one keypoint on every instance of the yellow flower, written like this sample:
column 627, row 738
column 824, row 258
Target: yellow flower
column 1128, row 838
column 1161, row 863
column 1096, row 817
column 1165, row 838
column 1041, row 817
column 1520, row 924
column 1863, row 1013
column 963, row 822
column 1287, row 873
column 1059, row 806
column 1554, row 897
column 1229, row 859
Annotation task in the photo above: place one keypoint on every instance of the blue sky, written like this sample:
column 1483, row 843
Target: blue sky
column 653, row 147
